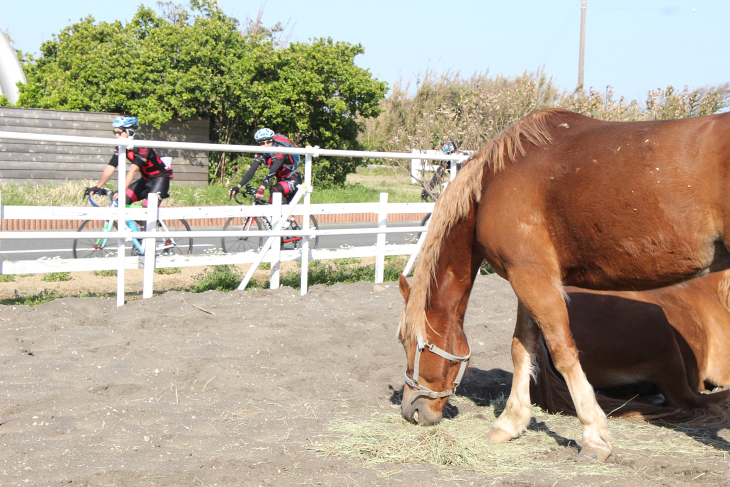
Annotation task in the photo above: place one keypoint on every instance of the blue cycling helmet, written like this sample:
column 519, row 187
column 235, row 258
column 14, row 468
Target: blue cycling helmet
column 129, row 124
column 263, row 135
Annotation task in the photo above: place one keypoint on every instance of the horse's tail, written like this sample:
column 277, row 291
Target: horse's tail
column 550, row 392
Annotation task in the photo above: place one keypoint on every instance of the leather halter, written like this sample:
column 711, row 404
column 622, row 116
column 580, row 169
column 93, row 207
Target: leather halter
column 424, row 391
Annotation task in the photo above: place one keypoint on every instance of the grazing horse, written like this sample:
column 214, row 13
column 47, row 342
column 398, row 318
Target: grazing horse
column 562, row 199
column 673, row 340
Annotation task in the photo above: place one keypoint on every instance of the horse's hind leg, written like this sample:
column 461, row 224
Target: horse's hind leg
column 517, row 412
column 542, row 294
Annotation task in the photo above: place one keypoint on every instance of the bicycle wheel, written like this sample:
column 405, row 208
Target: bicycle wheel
column 92, row 247
column 242, row 243
column 173, row 246
column 297, row 244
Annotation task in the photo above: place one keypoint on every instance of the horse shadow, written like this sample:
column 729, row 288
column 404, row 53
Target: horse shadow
column 708, row 436
column 492, row 387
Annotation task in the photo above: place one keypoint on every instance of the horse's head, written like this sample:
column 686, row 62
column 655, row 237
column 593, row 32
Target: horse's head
column 432, row 370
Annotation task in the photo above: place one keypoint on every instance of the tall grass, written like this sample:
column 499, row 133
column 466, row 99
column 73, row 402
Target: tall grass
column 474, row 110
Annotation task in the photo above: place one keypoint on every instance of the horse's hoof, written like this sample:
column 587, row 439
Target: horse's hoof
column 497, row 435
column 593, row 454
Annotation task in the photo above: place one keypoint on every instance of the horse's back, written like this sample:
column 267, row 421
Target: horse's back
column 621, row 204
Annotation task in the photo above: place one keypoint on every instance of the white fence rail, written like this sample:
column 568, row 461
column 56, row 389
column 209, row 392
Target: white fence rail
column 420, row 165
column 277, row 213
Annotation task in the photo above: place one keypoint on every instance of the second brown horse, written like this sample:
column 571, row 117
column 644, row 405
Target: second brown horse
column 673, row 341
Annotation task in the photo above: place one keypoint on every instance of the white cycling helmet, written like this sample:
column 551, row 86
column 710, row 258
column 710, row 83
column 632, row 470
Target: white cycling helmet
column 263, row 135
column 130, row 124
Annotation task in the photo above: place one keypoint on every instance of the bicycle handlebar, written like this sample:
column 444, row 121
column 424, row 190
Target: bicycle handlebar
column 100, row 191
column 246, row 190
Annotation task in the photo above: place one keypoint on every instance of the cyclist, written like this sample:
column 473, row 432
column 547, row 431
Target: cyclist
column 448, row 147
column 155, row 175
column 284, row 167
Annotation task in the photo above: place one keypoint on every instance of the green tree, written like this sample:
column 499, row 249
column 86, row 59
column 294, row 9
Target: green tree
column 195, row 61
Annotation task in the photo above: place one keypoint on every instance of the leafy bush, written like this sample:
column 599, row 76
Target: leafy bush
column 197, row 62
column 41, row 297
column 168, row 270
column 217, row 278
column 57, row 276
column 322, row 272
column 106, row 273
column 7, row 278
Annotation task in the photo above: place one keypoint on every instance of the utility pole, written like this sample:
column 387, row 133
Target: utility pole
column 582, row 43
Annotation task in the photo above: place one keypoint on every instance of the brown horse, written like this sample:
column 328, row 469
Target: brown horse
column 563, row 199
column 673, row 340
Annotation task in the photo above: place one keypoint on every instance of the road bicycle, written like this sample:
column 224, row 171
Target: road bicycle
column 433, row 189
column 101, row 247
column 254, row 223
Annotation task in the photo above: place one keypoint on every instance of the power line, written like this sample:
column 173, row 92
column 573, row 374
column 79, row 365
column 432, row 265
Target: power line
column 558, row 35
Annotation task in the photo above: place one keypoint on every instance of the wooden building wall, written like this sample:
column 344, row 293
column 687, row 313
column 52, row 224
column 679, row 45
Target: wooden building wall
column 41, row 162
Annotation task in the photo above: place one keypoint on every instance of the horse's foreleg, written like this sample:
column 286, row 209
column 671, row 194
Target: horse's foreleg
column 516, row 415
column 543, row 296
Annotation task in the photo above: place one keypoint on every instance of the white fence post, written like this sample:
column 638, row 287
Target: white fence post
column 269, row 241
column 419, row 244
column 414, row 166
column 304, row 282
column 276, row 245
column 121, row 220
column 149, row 246
column 380, row 252
column 419, row 166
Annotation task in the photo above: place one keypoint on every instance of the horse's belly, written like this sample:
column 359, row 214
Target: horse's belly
column 644, row 262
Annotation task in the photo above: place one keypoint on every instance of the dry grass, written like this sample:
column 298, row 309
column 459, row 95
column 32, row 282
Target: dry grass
column 472, row 111
column 70, row 193
column 547, row 446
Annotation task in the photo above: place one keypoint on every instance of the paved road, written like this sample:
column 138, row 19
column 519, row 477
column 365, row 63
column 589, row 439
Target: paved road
column 38, row 248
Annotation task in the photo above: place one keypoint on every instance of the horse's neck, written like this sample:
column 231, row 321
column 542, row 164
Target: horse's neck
column 456, row 269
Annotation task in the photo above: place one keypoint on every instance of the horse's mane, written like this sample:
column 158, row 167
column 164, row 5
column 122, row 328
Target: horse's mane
column 455, row 202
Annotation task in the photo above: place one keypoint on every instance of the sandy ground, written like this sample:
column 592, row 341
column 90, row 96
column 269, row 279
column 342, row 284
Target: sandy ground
column 240, row 388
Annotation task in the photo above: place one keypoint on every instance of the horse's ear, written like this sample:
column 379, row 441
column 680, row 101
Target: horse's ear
column 723, row 289
column 403, row 287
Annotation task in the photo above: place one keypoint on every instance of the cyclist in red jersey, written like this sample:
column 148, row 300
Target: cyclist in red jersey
column 155, row 175
column 284, row 167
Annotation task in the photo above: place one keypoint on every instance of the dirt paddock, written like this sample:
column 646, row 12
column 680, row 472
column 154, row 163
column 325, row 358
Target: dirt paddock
column 268, row 388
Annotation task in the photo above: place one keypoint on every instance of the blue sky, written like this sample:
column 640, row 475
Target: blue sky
column 632, row 45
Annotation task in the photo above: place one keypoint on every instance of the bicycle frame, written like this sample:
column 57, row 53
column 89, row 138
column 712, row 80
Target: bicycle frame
column 250, row 191
column 131, row 225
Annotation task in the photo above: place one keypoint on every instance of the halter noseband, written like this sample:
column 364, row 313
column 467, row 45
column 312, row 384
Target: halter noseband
column 424, row 391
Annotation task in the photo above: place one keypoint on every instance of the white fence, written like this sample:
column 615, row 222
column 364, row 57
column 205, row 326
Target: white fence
column 420, row 166
column 277, row 213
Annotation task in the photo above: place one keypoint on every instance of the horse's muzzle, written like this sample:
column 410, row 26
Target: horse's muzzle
column 421, row 410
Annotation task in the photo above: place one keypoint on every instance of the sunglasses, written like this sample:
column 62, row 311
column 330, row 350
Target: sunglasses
column 264, row 142
column 118, row 132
